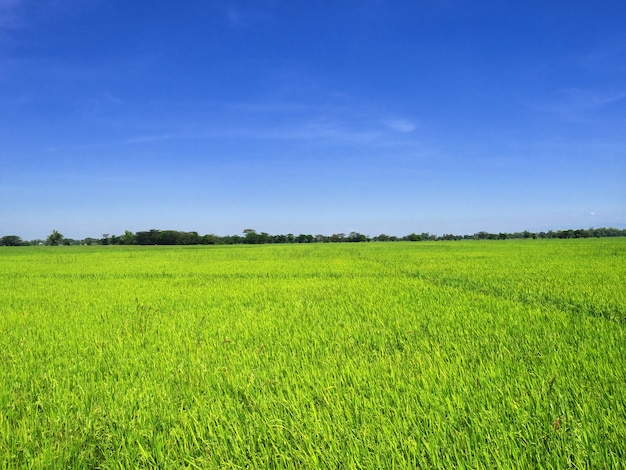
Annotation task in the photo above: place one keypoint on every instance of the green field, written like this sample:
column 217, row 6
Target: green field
column 471, row 354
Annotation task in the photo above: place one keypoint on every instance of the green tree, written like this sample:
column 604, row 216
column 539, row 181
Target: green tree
column 54, row 238
column 251, row 236
column 11, row 240
column 147, row 238
column 209, row 239
column 357, row 237
column 128, row 238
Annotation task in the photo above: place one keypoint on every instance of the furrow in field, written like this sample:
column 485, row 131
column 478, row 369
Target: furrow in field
column 609, row 311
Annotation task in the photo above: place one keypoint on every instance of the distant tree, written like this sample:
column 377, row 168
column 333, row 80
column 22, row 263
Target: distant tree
column 251, row 236
column 414, row 237
column 147, row 238
column 168, row 237
column 265, row 237
column 128, row 238
column 356, row 237
column 54, row 238
column 209, row 239
column 188, row 238
column 11, row 240
column 305, row 238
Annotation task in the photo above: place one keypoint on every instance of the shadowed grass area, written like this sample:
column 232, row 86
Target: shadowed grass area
column 411, row 355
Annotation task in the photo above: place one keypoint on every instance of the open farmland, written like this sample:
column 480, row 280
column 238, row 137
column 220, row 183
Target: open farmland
column 470, row 354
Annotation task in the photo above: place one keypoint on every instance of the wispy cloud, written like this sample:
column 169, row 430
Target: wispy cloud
column 243, row 18
column 140, row 139
column 400, row 125
column 22, row 14
column 577, row 104
column 147, row 139
column 235, row 17
column 607, row 56
column 326, row 130
column 9, row 13
column 590, row 99
column 106, row 99
column 283, row 107
column 344, row 123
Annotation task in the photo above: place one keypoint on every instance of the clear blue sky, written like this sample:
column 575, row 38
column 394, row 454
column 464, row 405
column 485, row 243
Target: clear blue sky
column 445, row 116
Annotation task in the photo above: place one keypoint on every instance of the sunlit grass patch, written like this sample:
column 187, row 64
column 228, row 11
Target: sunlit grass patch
column 431, row 355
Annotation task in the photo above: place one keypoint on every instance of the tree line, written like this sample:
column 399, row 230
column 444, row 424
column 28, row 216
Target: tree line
column 251, row 236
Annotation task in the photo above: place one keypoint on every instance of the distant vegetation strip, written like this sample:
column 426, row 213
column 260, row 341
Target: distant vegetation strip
column 252, row 237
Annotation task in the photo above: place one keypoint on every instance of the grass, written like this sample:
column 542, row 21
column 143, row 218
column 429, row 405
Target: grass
column 380, row 355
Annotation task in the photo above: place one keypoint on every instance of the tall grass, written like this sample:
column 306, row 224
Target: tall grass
column 400, row 355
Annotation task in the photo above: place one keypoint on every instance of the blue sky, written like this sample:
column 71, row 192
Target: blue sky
column 445, row 116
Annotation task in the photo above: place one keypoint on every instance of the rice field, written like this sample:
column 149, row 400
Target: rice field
column 495, row 354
